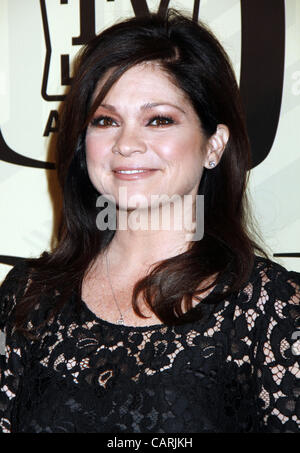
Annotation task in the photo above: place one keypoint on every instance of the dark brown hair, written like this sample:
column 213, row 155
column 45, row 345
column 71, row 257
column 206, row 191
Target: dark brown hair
column 197, row 63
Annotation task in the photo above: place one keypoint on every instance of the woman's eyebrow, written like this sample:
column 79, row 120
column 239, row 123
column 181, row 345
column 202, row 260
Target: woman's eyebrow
column 155, row 104
column 146, row 106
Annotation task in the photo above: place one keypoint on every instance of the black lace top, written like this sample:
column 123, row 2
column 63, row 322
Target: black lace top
column 237, row 369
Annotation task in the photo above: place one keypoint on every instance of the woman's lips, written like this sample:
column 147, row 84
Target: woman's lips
column 132, row 176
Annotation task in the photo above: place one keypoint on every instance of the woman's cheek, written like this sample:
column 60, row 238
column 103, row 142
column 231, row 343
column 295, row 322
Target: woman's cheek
column 168, row 146
column 96, row 146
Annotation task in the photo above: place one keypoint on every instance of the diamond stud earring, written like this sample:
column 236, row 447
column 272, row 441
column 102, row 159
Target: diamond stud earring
column 212, row 164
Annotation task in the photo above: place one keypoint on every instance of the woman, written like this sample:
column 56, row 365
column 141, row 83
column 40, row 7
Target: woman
column 142, row 330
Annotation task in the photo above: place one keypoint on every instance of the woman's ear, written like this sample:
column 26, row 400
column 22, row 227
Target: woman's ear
column 216, row 146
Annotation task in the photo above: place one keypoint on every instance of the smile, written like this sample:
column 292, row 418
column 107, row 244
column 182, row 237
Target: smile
column 128, row 172
column 133, row 174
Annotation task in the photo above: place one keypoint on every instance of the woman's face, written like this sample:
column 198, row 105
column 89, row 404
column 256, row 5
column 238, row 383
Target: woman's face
column 145, row 121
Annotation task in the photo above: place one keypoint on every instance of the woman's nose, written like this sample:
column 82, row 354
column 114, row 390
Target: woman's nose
column 129, row 141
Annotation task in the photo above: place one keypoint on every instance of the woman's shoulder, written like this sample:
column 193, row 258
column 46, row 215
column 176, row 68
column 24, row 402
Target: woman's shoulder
column 272, row 289
column 275, row 278
column 13, row 286
column 272, row 267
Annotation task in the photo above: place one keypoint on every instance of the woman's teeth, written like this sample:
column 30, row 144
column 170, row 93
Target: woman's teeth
column 131, row 171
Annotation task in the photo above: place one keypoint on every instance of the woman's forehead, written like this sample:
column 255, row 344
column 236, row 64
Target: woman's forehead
column 150, row 76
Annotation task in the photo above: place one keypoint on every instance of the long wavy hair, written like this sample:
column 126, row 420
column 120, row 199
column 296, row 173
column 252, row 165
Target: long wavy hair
column 194, row 59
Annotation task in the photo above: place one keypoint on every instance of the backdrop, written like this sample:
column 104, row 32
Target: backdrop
column 38, row 40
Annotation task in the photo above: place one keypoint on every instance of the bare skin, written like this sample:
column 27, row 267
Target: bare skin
column 97, row 294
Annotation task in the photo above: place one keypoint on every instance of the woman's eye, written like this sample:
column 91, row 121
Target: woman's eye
column 103, row 121
column 107, row 121
column 161, row 121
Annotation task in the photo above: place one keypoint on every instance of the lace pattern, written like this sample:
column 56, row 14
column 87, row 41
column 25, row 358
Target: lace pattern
column 237, row 369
